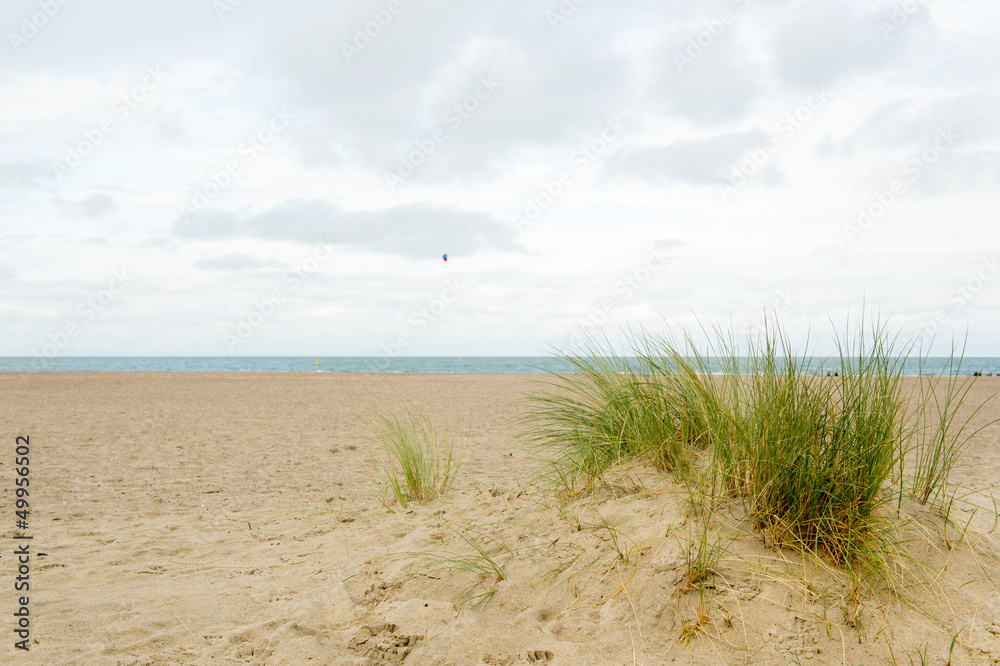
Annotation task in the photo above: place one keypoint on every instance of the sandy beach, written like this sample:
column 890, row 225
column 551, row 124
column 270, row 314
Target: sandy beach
column 220, row 518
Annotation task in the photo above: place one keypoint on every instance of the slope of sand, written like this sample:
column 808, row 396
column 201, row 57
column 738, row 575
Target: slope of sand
column 230, row 518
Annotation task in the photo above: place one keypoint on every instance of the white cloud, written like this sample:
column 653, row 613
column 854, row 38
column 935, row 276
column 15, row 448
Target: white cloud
column 704, row 161
column 94, row 205
column 822, row 41
column 415, row 230
column 688, row 125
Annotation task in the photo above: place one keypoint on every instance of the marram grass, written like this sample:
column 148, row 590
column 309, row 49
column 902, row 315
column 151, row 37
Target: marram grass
column 606, row 409
column 817, row 460
column 814, row 454
column 938, row 437
column 420, row 460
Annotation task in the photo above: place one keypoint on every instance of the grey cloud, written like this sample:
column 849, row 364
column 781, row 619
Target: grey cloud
column 716, row 87
column 171, row 123
column 10, row 240
column 903, row 129
column 822, row 41
column 209, row 225
column 667, row 244
column 981, row 167
column 94, row 205
column 907, row 123
column 236, row 261
column 318, row 144
column 24, row 174
column 696, row 161
column 554, row 86
column 158, row 243
column 960, row 169
column 416, row 230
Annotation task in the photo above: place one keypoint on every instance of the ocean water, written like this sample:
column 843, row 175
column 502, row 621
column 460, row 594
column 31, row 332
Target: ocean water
column 431, row 364
column 490, row 364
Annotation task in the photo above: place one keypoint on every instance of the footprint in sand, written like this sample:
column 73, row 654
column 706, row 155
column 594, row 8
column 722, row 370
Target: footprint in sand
column 381, row 644
column 531, row 657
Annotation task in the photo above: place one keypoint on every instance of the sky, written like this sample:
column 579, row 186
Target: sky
column 239, row 177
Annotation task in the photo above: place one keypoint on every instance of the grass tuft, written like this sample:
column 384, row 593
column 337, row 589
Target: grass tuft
column 420, row 462
column 817, row 452
column 485, row 566
column 605, row 409
column 701, row 559
column 938, row 438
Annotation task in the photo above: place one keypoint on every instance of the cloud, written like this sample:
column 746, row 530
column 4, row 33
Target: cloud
column 554, row 87
column 24, row 174
column 236, row 261
column 94, row 205
column 208, row 226
column 686, row 128
column 906, row 128
column 171, row 122
column 415, row 230
column 718, row 86
column 908, row 122
column 703, row 161
column 159, row 242
column 667, row 244
column 825, row 40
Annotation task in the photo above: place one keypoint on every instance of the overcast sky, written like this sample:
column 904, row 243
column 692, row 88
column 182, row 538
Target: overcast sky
column 244, row 177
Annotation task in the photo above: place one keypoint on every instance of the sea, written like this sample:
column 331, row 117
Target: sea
column 403, row 364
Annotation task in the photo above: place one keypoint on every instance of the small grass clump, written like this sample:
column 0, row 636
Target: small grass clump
column 701, row 558
column 938, row 439
column 421, row 461
column 485, row 566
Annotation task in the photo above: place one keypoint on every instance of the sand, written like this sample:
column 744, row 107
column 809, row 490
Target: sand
column 231, row 518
